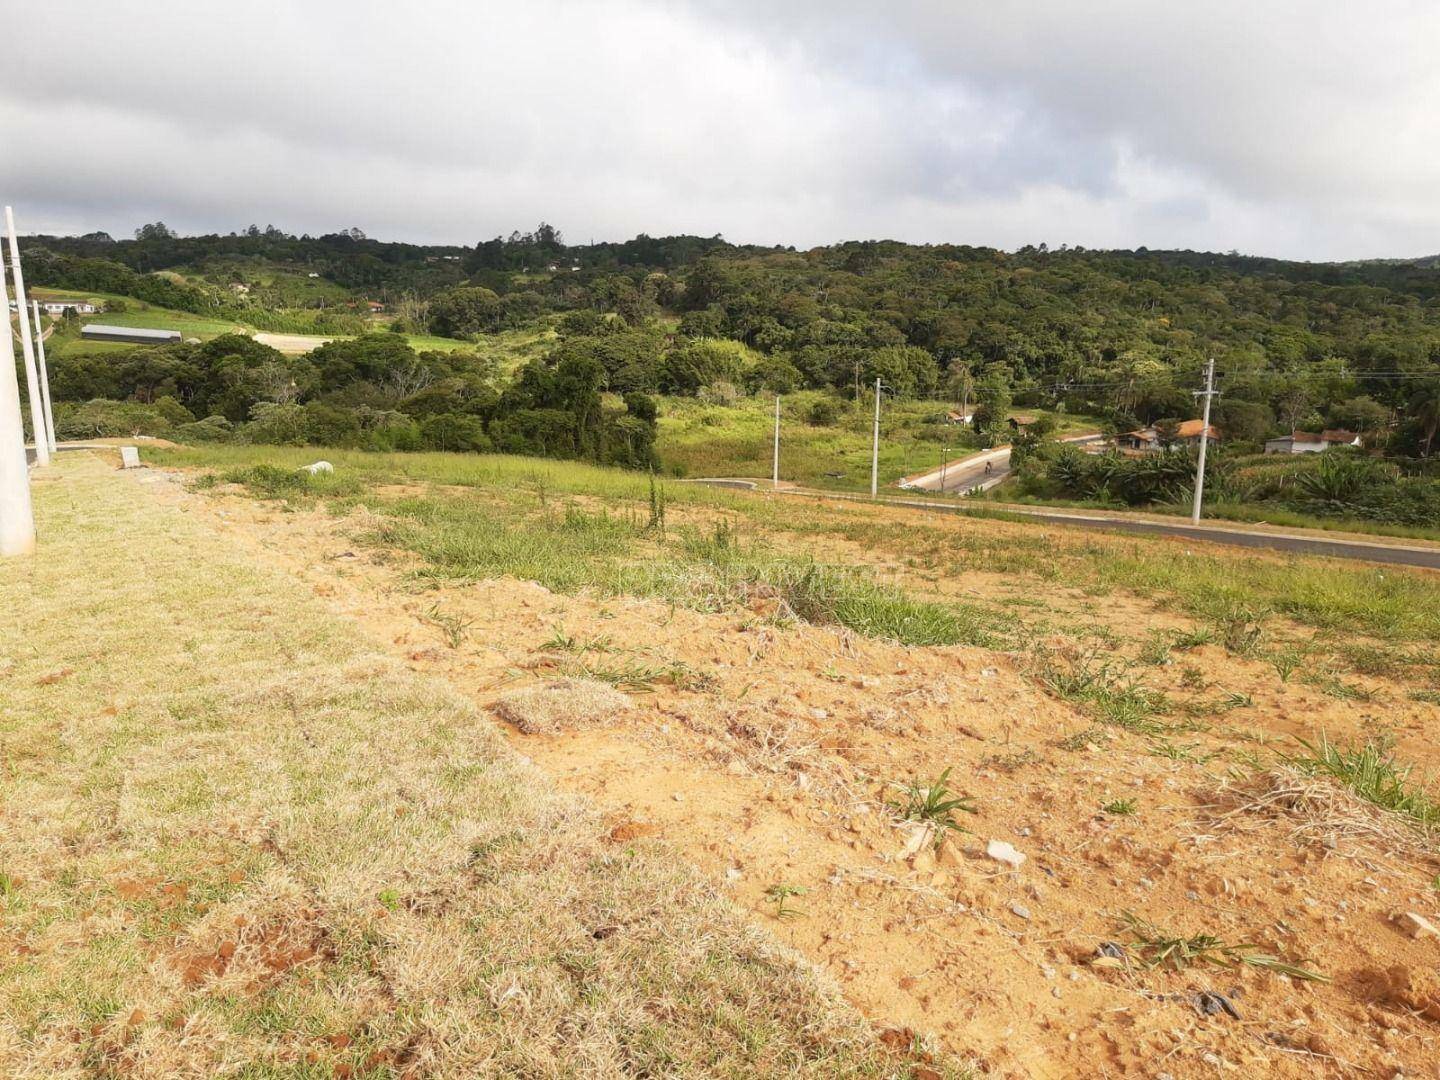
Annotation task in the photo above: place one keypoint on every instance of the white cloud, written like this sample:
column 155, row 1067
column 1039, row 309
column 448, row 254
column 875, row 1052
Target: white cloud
column 1299, row 129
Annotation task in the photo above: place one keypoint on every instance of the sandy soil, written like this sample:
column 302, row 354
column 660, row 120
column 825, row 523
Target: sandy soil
column 769, row 753
column 292, row 343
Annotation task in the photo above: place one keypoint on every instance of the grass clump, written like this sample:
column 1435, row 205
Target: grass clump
column 1121, row 808
column 1155, row 947
column 1371, row 772
column 932, row 804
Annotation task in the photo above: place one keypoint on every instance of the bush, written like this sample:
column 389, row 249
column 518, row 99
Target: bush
column 211, row 429
column 100, row 419
column 454, row 431
column 823, row 412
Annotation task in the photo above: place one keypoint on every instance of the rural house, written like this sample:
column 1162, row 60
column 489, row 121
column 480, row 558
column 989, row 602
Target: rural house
column 1148, row 439
column 1310, row 442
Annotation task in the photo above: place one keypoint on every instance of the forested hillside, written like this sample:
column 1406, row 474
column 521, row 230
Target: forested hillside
column 1119, row 334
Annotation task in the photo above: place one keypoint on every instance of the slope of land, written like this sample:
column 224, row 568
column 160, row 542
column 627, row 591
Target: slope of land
column 1201, row 893
column 238, row 838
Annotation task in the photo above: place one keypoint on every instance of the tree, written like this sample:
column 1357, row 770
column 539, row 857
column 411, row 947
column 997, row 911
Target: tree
column 1167, row 431
column 1361, row 414
column 992, row 401
column 465, row 311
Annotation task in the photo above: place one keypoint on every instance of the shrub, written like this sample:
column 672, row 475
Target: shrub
column 823, row 412
column 454, row 431
column 100, row 418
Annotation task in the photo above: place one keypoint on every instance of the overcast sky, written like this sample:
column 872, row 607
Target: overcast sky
column 1307, row 129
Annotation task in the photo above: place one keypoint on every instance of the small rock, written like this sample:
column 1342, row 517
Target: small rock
column 1005, row 853
column 1417, row 926
column 1020, row 911
column 989, row 672
column 1191, row 895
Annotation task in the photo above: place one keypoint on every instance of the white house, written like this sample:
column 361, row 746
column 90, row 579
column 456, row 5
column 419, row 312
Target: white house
column 59, row 307
column 1310, row 442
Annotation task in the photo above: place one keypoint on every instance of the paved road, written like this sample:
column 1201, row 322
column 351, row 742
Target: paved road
column 968, row 475
column 1301, row 543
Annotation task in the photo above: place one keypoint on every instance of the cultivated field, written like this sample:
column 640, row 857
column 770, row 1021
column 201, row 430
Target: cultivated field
column 1054, row 803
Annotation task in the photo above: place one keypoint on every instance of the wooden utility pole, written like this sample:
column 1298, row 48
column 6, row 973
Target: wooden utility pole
column 32, row 377
column 17, row 521
column 1208, row 393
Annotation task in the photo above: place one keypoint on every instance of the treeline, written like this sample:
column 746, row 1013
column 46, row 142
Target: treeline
column 1120, row 334
column 372, row 392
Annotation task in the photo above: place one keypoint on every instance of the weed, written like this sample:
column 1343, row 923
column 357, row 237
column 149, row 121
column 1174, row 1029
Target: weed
column 1371, row 772
column 1185, row 640
column 1331, row 685
column 454, row 627
column 1429, row 697
column 1286, row 661
column 1235, row 700
column 657, row 507
column 781, row 895
column 1155, row 651
column 1175, row 752
column 1091, row 736
column 1240, row 629
column 560, row 641
column 1120, row 807
column 1154, row 947
column 1192, row 678
column 931, row 804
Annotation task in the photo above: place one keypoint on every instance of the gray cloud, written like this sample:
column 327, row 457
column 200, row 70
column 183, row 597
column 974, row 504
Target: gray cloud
column 1303, row 129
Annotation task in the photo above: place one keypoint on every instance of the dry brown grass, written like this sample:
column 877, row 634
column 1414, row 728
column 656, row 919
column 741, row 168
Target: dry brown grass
column 1317, row 810
column 235, row 839
column 561, row 705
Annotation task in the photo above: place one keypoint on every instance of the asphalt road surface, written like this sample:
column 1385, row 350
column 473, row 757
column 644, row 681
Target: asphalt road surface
column 969, row 474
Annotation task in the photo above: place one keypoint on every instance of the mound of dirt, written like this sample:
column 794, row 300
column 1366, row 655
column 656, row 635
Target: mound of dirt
column 561, row 705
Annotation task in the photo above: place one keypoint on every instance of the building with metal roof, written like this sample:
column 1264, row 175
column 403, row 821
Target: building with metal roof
column 130, row 335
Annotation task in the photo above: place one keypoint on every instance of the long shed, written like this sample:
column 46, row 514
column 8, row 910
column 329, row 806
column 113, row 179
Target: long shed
column 131, row 335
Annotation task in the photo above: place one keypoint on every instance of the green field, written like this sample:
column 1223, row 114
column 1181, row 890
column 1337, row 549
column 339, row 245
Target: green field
column 698, row 439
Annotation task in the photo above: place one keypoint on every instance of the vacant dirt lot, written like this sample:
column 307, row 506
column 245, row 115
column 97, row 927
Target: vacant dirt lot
column 770, row 752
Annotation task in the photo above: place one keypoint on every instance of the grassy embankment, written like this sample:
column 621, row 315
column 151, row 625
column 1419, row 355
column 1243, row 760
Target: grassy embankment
column 1346, row 632
column 699, row 439
column 238, row 839
column 490, row 527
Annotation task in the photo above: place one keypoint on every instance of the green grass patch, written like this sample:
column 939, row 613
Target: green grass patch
column 1371, row 772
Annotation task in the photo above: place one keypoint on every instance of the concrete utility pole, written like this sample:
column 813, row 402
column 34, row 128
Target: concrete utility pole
column 776, row 481
column 944, row 460
column 32, row 378
column 17, row 521
column 875, row 447
column 1208, row 393
column 44, row 377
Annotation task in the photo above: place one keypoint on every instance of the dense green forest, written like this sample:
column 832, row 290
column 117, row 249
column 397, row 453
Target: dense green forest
column 1122, row 335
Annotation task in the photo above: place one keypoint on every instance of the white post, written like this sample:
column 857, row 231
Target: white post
column 1207, row 394
column 17, row 520
column 944, row 460
column 32, row 378
column 44, row 377
column 875, row 447
column 776, row 481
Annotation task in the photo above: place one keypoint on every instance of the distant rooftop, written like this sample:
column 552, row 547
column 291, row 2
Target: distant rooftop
column 137, row 334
